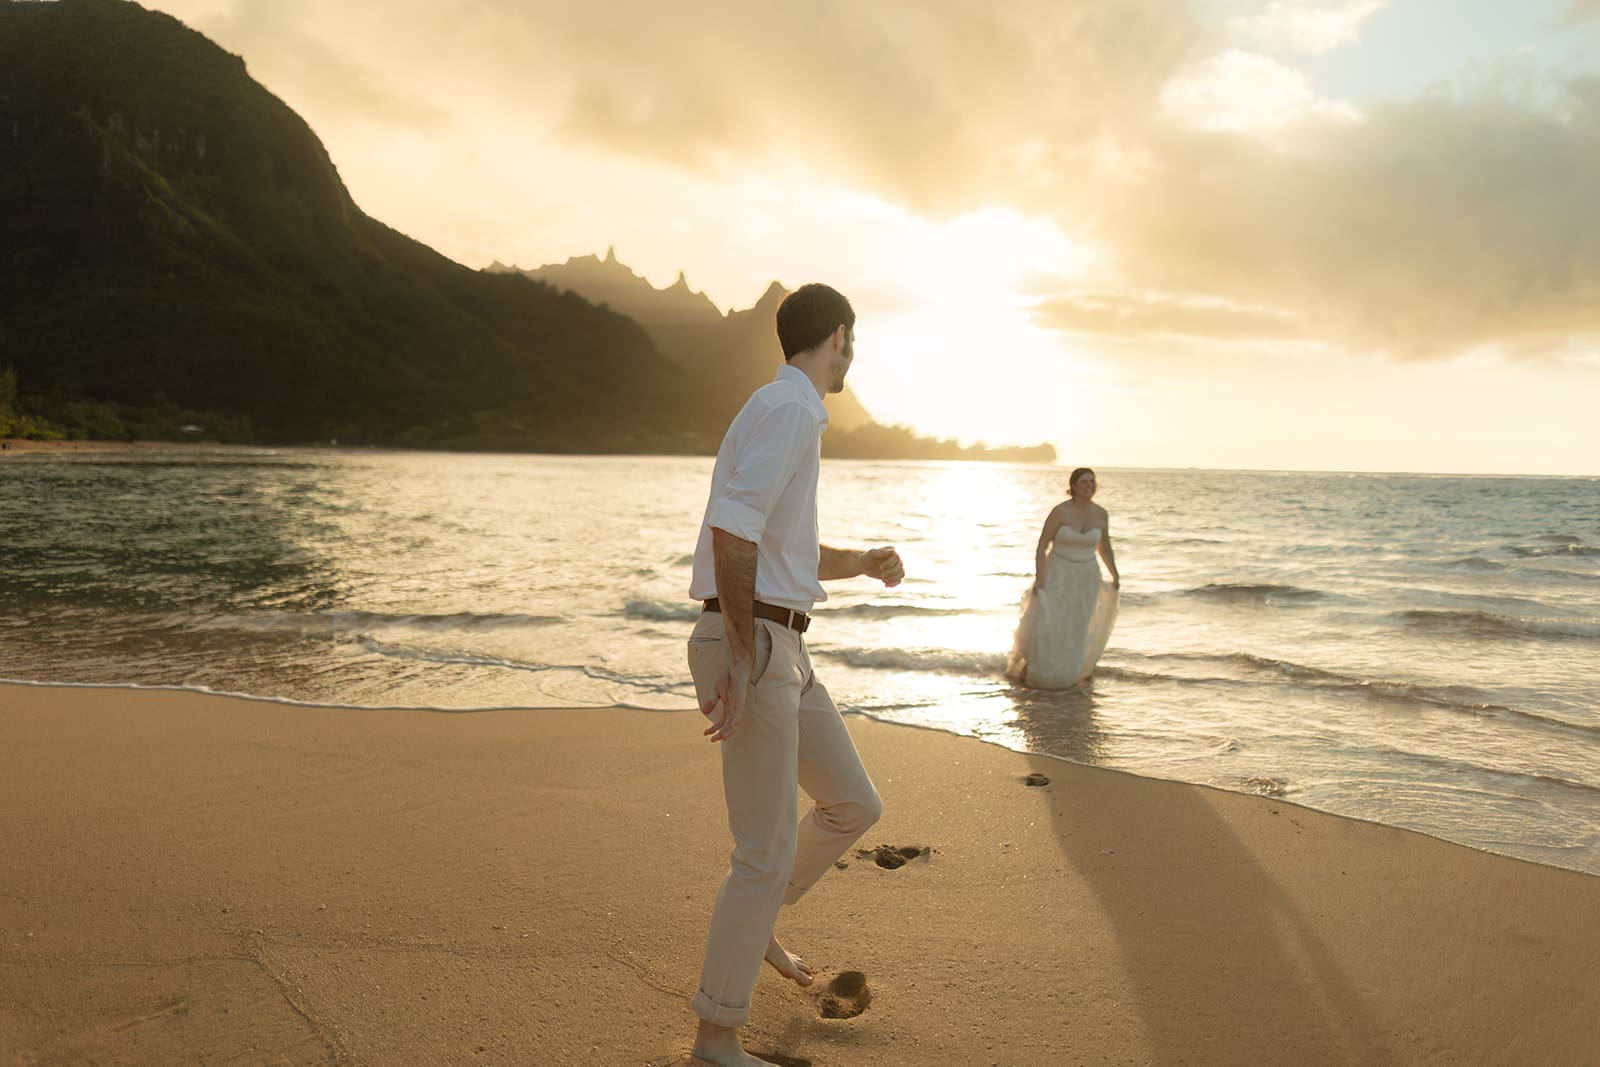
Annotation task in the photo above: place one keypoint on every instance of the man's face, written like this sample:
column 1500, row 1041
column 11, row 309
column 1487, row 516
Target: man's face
column 843, row 359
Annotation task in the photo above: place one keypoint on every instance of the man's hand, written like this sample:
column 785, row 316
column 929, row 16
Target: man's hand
column 730, row 696
column 883, row 564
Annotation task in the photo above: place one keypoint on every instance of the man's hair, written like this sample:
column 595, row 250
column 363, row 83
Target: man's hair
column 809, row 315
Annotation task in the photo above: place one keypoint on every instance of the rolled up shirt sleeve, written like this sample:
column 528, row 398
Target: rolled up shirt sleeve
column 767, row 460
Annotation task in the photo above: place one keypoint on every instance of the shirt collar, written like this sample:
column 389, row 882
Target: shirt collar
column 790, row 373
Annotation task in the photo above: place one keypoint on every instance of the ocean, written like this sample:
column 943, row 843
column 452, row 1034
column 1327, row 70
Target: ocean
column 1416, row 650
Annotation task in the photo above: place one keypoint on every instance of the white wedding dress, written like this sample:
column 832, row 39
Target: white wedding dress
column 1065, row 626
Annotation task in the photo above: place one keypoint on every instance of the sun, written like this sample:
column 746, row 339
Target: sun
column 955, row 305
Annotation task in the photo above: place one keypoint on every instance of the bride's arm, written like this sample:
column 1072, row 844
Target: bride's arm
column 1106, row 552
column 1047, row 536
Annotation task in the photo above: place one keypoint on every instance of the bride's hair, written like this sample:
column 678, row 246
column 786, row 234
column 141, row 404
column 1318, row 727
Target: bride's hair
column 1072, row 481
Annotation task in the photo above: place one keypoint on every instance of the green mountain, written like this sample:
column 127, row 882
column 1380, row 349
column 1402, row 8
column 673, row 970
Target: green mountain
column 178, row 255
column 176, row 246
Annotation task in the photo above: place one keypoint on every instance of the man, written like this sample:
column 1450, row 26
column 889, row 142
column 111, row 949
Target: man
column 758, row 567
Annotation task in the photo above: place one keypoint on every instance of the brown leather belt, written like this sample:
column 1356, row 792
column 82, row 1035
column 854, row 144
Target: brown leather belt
column 798, row 621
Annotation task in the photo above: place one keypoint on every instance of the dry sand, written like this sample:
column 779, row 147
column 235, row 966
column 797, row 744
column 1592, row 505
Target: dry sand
column 196, row 879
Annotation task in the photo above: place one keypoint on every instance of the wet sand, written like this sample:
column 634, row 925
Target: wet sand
column 190, row 878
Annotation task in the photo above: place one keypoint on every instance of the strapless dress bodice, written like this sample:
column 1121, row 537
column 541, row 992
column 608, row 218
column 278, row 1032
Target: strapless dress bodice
column 1076, row 545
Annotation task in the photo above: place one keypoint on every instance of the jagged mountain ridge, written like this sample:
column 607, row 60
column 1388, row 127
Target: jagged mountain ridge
column 728, row 355
column 731, row 355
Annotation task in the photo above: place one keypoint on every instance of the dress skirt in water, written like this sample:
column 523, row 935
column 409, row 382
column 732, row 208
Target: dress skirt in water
column 1065, row 626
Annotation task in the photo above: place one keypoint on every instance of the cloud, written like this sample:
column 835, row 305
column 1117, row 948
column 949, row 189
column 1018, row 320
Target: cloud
column 1431, row 227
column 1578, row 11
column 1309, row 26
column 936, row 104
column 1419, row 228
column 1247, row 92
column 1147, row 316
column 283, row 50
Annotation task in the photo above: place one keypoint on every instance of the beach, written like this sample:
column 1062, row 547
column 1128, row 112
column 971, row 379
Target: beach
column 1420, row 664
column 1200, row 541
column 197, row 878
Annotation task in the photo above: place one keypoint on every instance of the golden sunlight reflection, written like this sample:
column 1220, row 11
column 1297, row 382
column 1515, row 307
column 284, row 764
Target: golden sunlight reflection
column 979, row 512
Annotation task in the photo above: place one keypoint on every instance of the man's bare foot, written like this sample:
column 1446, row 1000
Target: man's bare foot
column 719, row 1045
column 790, row 966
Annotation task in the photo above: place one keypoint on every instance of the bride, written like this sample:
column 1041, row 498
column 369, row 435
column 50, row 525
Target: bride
column 1067, row 615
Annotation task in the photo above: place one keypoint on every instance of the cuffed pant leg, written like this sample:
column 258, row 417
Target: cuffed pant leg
column 759, row 779
column 845, row 803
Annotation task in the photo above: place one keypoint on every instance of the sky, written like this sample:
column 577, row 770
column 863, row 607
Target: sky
column 1266, row 234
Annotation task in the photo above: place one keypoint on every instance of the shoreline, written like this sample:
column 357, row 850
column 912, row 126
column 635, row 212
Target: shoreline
column 850, row 716
column 192, row 874
column 21, row 446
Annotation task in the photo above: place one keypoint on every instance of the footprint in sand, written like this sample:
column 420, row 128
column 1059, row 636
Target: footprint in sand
column 1036, row 779
column 892, row 857
column 846, row 996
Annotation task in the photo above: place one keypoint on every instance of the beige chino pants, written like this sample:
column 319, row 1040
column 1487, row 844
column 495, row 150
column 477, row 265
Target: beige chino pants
column 791, row 735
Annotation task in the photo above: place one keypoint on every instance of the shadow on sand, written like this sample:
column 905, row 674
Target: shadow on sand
column 1222, row 964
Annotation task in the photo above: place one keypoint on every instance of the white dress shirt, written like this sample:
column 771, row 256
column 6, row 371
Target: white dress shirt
column 764, row 489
